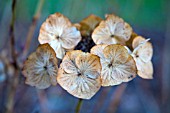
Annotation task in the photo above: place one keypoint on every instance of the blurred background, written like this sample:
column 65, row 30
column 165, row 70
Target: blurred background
column 149, row 18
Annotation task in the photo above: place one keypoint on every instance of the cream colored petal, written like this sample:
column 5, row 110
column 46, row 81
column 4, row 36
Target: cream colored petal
column 59, row 50
column 145, row 70
column 45, row 36
column 86, row 82
column 58, row 19
column 101, row 35
column 126, row 71
column 79, row 86
column 40, row 67
column 112, row 31
column 70, row 38
column 120, row 29
column 54, row 26
column 143, row 50
column 98, row 50
column 120, row 63
column 68, row 62
column 146, row 52
column 64, row 79
column 106, row 76
column 88, row 62
column 137, row 41
column 116, row 53
column 58, row 31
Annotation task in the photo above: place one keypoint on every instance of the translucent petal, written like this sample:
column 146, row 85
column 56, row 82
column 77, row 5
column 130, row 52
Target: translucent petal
column 112, row 31
column 40, row 69
column 120, row 63
column 70, row 37
column 86, row 82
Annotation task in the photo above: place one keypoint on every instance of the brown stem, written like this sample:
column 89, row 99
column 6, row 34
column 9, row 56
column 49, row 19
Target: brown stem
column 78, row 107
column 32, row 28
column 12, row 81
column 12, row 86
column 12, row 40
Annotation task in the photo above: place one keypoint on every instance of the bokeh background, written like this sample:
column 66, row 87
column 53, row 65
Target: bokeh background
column 149, row 18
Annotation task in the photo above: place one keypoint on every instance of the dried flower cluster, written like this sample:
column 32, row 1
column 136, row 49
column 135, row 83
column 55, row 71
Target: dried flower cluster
column 118, row 56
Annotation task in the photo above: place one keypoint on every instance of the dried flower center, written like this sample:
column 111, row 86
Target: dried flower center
column 45, row 67
column 110, row 65
column 57, row 37
column 112, row 36
column 78, row 74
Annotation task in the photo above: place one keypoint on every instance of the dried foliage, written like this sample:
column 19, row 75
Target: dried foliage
column 120, row 54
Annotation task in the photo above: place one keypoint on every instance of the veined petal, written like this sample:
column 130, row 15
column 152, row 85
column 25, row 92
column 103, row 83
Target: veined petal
column 40, row 67
column 86, row 82
column 70, row 37
column 112, row 31
column 68, row 62
column 98, row 50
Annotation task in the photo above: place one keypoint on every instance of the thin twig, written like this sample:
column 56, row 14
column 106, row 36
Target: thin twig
column 12, row 40
column 13, row 81
column 32, row 28
column 78, row 107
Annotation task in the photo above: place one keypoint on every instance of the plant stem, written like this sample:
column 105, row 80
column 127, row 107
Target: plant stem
column 32, row 28
column 12, row 81
column 78, row 107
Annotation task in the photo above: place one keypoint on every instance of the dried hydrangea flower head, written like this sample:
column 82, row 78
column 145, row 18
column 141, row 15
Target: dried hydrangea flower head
column 59, row 32
column 117, row 64
column 40, row 69
column 142, row 54
column 79, row 74
column 88, row 24
column 113, row 30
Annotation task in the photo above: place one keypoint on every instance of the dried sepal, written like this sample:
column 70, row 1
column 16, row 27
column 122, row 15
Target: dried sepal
column 142, row 54
column 79, row 74
column 113, row 30
column 59, row 32
column 142, row 48
column 98, row 50
column 88, row 24
column 40, row 69
column 117, row 64
column 145, row 69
